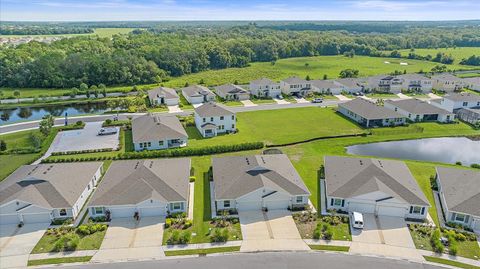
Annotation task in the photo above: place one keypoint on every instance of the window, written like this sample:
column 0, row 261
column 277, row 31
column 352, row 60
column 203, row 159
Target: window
column 149, row 144
column 221, row 117
column 233, row 126
column 299, row 199
column 98, row 210
column 88, row 187
column 460, row 217
column 233, row 117
column 63, row 212
column 337, row 202
column 465, row 104
column 211, row 118
column 204, row 119
column 160, row 143
column 176, row 206
column 417, row 210
column 226, row 203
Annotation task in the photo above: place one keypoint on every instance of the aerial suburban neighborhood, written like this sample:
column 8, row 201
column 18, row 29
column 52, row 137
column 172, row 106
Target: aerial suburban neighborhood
column 137, row 134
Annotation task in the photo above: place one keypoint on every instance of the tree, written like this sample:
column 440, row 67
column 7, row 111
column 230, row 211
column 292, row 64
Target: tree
column 186, row 84
column 307, row 77
column 16, row 93
column 349, row 73
column 73, row 92
column 94, row 90
column 439, row 69
column 103, row 89
column 114, row 104
column 395, row 54
column 325, row 77
column 3, row 145
column 83, row 87
column 46, row 124
column 1, row 94
column 306, row 65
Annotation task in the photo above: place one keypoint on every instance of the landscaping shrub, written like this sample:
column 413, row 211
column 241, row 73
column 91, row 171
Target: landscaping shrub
column 317, row 233
column 179, row 238
column 67, row 242
column 83, row 230
column 435, row 241
column 219, row 235
column 188, row 223
column 185, row 237
column 327, row 232
column 168, row 223
column 192, row 179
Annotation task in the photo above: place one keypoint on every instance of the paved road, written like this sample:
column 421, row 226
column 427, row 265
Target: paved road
column 16, row 127
column 278, row 260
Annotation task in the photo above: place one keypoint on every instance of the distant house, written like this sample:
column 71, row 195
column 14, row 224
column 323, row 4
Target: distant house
column 295, row 86
column 417, row 110
column 470, row 115
column 197, row 94
column 232, row 92
column 247, row 183
column 151, row 132
column 385, row 84
column 459, row 193
column 45, row 192
column 212, row 119
column 163, row 96
column 455, row 101
column 352, row 85
column 396, row 84
column 447, row 83
column 150, row 188
column 373, row 186
column 264, row 87
column 369, row 114
column 416, row 83
column 472, row 83
column 326, row 86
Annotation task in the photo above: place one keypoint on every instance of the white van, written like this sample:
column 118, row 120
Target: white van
column 357, row 220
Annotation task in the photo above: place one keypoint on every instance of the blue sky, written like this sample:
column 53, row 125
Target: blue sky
column 102, row 10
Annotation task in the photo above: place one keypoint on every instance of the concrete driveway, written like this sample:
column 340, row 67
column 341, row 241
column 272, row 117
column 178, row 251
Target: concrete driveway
column 127, row 239
column 17, row 243
column 271, row 231
column 384, row 236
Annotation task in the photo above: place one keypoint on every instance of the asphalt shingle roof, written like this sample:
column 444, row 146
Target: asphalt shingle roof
column 230, row 89
column 294, row 80
column 167, row 93
column 197, row 90
column 416, row 106
column 463, row 97
column 262, row 82
column 212, row 109
column 152, row 127
column 369, row 110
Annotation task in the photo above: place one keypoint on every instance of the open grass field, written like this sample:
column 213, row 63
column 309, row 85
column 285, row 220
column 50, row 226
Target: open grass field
column 457, row 53
column 101, row 32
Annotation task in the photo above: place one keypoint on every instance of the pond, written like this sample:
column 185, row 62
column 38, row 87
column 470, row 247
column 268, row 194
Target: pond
column 444, row 149
column 12, row 115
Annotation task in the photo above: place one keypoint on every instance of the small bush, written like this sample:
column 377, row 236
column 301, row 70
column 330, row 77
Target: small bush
column 187, row 224
column 185, row 237
column 317, row 233
column 192, row 179
column 219, row 235
column 435, row 241
column 83, row 230
column 179, row 238
column 168, row 222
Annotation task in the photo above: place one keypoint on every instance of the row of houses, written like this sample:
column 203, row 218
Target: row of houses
column 266, row 88
column 159, row 187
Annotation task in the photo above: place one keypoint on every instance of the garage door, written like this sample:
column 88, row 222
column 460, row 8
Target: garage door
column 278, row 204
column 37, row 218
column 122, row 212
column 9, row 219
column 362, row 208
column 152, row 211
column 249, row 205
column 391, row 211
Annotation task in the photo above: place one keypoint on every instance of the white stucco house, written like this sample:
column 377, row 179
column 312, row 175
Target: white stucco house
column 45, row 192
column 459, row 193
column 163, row 96
column 352, row 85
column 212, row 119
column 417, row 110
column 150, row 188
column 368, row 114
column 265, row 87
column 232, row 92
column 295, row 86
column 372, row 186
column 197, row 94
column 153, row 131
column 326, row 86
column 248, row 183
column 447, row 83
column 455, row 101
column 472, row 83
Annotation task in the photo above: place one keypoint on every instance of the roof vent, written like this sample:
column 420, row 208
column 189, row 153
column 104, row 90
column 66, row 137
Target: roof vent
column 151, row 164
column 263, row 160
column 136, row 165
column 361, row 163
column 248, row 161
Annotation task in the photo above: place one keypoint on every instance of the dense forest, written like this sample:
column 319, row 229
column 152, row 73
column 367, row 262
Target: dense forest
column 153, row 54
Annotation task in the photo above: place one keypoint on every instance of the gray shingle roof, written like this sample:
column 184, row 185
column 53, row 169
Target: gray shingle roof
column 164, row 92
column 236, row 176
column 230, row 89
column 48, row 185
column 446, row 76
column 416, row 106
column 461, row 189
column 463, row 97
column 294, row 80
column 369, row 110
column 152, row 127
column 212, row 109
column 262, row 82
column 134, row 181
column 351, row 82
column 325, row 84
column 348, row 177
column 197, row 90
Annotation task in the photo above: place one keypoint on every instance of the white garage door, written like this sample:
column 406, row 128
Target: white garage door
column 476, row 226
column 122, row 212
column 37, row 218
column 152, row 211
column 249, row 205
column 9, row 219
column 362, row 208
column 278, row 204
column 391, row 211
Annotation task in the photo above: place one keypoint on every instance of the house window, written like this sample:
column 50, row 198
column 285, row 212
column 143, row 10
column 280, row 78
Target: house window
column 98, row 210
column 460, row 217
column 160, row 143
column 176, row 206
column 88, row 187
column 233, row 117
column 226, row 203
column 63, row 212
column 299, row 199
column 221, row 117
column 417, row 210
column 465, row 104
column 211, row 118
column 149, row 144
column 233, row 126
column 337, row 202
column 204, row 119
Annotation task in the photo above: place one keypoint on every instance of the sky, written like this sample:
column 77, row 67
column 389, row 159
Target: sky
column 143, row 10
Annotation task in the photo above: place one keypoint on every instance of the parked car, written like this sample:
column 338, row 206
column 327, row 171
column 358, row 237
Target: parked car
column 317, row 100
column 357, row 220
column 107, row 131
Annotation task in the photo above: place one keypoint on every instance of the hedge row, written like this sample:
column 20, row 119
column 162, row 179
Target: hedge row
column 81, row 151
column 26, row 150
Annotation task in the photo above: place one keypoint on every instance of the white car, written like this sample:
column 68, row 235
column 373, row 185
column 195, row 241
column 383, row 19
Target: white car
column 357, row 220
column 107, row 131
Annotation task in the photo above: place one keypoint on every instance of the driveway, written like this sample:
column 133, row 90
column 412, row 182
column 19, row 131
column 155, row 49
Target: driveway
column 342, row 97
column 248, row 103
column 174, row 109
column 281, row 101
column 271, row 231
column 127, row 239
column 403, row 96
column 17, row 243
column 384, row 236
column 301, row 100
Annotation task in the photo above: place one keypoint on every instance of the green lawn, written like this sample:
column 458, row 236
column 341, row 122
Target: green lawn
column 340, row 231
column 449, row 262
column 457, row 53
column 109, row 32
column 201, row 251
column 87, row 242
column 9, row 163
column 263, row 101
column 59, row 260
column 329, row 248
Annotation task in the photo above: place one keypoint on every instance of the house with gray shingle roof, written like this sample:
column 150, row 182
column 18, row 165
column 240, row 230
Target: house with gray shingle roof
column 265, row 87
column 447, row 82
column 458, row 100
column 418, row 110
column 213, row 118
column 232, row 92
column 163, row 96
column 155, row 187
column 153, row 131
column 369, row 114
column 197, row 94
column 246, row 183
column 459, row 193
column 45, row 192
column 372, row 186
column 296, row 86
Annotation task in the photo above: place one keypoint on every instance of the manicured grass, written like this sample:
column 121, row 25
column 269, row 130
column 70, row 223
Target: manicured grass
column 9, row 163
column 263, row 101
column 201, row 251
column 449, row 262
column 88, row 242
column 381, row 95
column 157, row 109
column 458, row 53
column 109, row 32
column 329, row 248
column 19, row 139
column 340, row 231
column 128, row 141
column 59, row 260
column 422, row 173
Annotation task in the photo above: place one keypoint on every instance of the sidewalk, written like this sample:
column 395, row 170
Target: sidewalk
column 449, row 257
